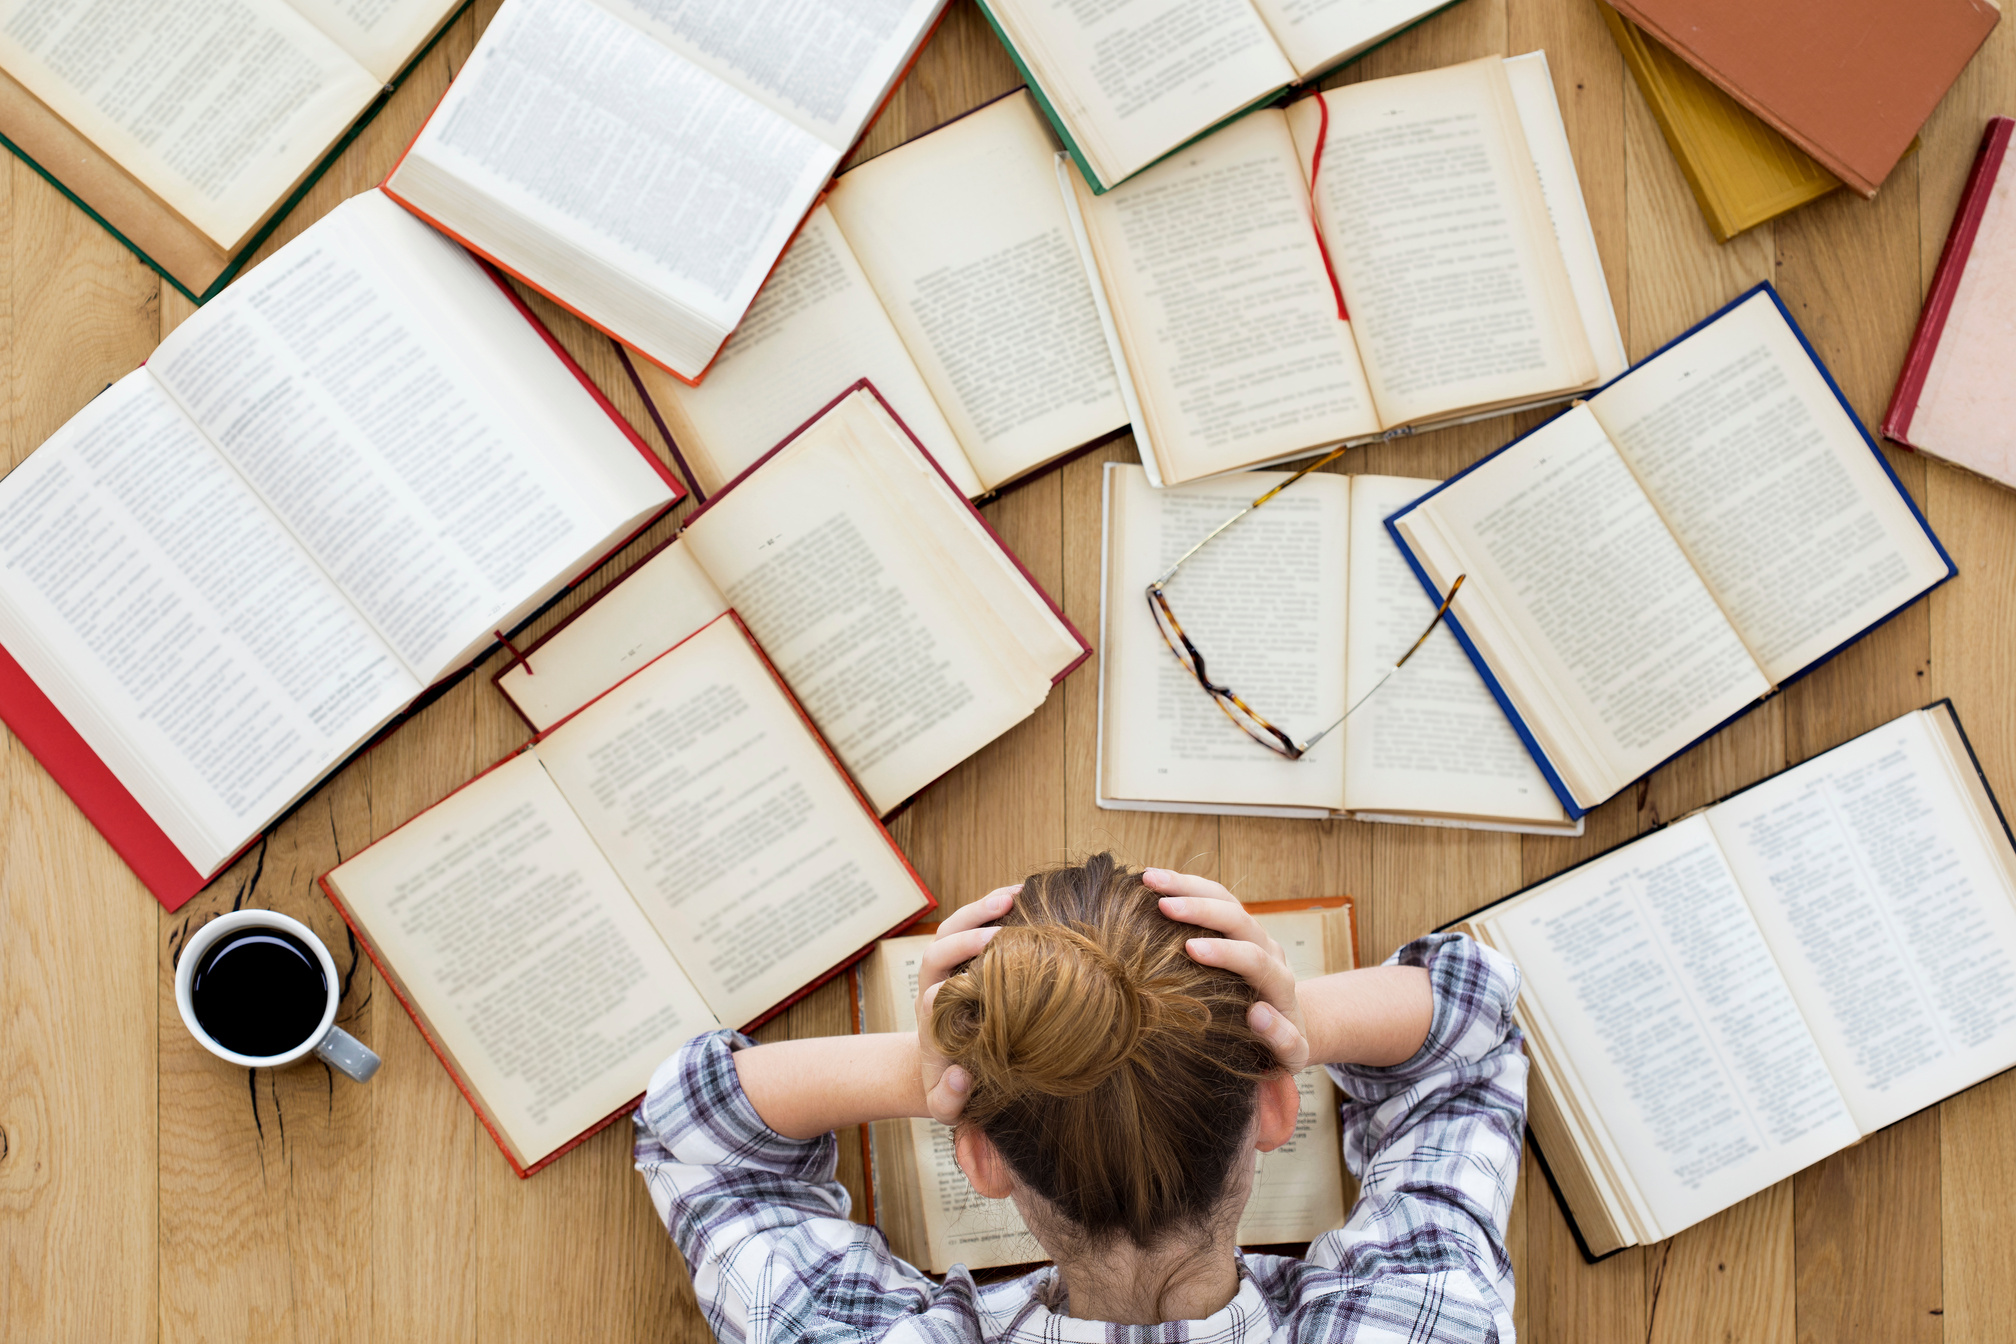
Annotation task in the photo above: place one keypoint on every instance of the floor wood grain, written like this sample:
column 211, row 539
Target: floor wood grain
column 149, row 1192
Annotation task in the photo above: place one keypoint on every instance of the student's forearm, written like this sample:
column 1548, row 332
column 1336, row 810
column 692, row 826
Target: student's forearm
column 1377, row 1016
column 804, row 1088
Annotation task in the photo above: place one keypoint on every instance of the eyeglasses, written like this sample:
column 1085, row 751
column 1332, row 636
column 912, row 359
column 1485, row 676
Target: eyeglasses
column 1243, row 715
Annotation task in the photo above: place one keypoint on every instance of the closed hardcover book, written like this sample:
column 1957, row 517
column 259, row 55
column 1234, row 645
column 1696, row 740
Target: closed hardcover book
column 1848, row 81
column 1956, row 397
column 1741, row 171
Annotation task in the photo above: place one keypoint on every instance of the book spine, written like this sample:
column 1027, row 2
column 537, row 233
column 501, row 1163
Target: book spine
column 1946, row 280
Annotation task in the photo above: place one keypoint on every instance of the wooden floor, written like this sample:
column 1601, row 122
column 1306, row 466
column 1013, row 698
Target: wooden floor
column 148, row 1191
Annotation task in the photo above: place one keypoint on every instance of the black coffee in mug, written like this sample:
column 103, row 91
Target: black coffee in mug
column 259, row 991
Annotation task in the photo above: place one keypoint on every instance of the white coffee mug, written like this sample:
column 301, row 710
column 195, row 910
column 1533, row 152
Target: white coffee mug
column 337, row 1047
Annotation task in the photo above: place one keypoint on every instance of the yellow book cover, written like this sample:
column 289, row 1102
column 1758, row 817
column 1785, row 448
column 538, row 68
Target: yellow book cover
column 1741, row 170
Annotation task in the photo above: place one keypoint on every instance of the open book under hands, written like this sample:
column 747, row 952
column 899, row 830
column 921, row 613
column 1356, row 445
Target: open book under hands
column 1650, row 564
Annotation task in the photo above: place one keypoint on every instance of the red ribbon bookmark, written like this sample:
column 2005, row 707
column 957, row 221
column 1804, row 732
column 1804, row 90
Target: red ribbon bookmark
column 517, row 659
column 1315, row 167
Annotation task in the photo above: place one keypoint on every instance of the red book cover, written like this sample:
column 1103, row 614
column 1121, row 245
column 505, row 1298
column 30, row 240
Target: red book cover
column 927, row 903
column 529, row 656
column 113, row 809
column 1953, row 263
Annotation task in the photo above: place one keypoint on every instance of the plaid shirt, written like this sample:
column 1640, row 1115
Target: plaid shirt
column 1434, row 1143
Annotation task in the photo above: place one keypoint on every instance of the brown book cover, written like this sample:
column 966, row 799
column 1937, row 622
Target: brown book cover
column 1848, row 81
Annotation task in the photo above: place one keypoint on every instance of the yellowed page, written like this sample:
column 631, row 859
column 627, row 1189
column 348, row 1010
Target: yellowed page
column 220, row 140
column 903, row 629
column 642, row 614
column 1430, row 741
column 740, row 839
column 1265, row 603
column 1224, row 310
column 1298, row 1193
column 1606, row 640
column 816, row 326
column 383, row 35
column 516, row 939
column 1317, row 34
column 1888, row 906
column 1459, row 294
column 964, row 236
column 1680, row 1034
column 1133, row 79
column 1790, row 519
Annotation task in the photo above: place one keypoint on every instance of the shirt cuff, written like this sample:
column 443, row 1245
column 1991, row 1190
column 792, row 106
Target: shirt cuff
column 1474, row 988
column 696, row 1112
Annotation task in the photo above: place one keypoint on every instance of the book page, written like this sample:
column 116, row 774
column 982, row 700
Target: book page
column 1317, row 34
column 1264, row 603
column 1583, row 605
column 1777, row 499
column 207, row 661
column 1431, row 740
column 1680, row 1035
column 815, row 327
column 643, row 613
column 740, row 839
column 439, row 499
column 1133, row 79
column 826, row 64
column 1225, row 312
column 512, row 935
column 964, row 235
column 1298, row 1192
column 382, row 35
column 900, row 625
column 220, row 135
column 1887, row 905
column 655, row 202
column 1456, row 285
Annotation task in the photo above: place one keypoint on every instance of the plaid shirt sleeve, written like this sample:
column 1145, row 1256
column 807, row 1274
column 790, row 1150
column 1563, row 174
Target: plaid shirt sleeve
column 763, row 1225
column 1435, row 1141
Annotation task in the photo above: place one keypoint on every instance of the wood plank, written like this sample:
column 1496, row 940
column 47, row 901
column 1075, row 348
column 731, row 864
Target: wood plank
column 1868, row 1239
column 79, row 1202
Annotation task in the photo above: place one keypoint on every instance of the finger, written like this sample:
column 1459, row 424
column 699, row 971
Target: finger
column 989, row 907
column 948, row 950
column 1270, row 978
column 947, row 1099
column 1166, row 882
column 1283, row 1037
column 1227, row 917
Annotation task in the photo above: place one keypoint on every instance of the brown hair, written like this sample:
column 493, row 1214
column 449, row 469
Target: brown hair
column 1113, row 1073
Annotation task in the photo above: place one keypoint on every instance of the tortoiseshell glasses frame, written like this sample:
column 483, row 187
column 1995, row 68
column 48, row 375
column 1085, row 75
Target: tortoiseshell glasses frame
column 1243, row 716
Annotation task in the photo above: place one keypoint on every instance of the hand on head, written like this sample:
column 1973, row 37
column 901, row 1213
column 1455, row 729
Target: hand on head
column 1246, row 950
column 959, row 940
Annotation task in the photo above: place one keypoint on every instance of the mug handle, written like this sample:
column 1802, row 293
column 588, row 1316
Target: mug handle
column 347, row 1055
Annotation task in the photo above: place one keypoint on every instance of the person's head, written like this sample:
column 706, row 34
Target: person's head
column 1113, row 1077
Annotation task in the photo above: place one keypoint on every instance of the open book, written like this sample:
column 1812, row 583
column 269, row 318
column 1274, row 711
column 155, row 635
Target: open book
column 328, row 489
column 1648, row 565
column 183, row 125
column 681, row 854
column 1716, row 1005
column 910, row 633
column 1129, row 81
column 945, row 273
column 1301, row 608
column 1448, row 203
column 932, row 1217
column 644, row 164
